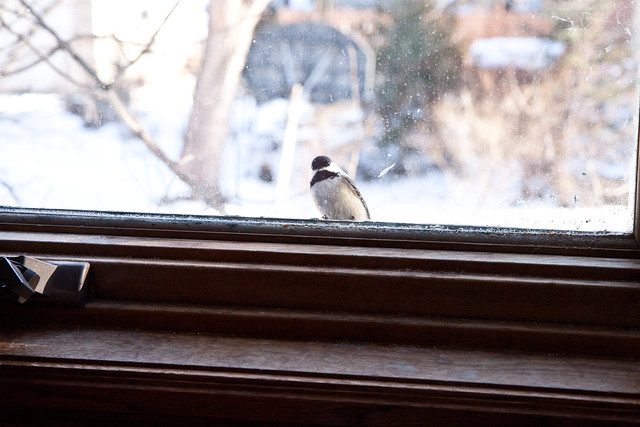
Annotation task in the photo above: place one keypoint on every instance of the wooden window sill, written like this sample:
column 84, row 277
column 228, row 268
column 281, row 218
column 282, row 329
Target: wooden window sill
column 129, row 374
column 233, row 322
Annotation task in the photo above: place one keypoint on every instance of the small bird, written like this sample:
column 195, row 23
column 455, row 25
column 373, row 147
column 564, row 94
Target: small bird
column 335, row 193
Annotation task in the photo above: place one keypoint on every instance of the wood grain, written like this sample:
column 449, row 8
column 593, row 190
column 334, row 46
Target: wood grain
column 321, row 382
column 309, row 325
column 616, row 379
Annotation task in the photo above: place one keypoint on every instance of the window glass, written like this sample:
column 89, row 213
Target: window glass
column 517, row 113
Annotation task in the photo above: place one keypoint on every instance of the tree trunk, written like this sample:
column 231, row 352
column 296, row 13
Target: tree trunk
column 231, row 27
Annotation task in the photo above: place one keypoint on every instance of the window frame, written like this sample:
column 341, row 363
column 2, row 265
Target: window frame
column 399, row 235
column 144, row 321
column 305, row 263
column 473, row 294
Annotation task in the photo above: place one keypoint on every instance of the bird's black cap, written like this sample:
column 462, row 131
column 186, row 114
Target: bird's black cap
column 320, row 162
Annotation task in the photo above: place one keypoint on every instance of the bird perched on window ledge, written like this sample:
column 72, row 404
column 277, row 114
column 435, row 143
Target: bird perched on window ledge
column 334, row 192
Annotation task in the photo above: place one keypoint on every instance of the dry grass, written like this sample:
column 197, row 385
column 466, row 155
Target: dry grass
column 549, row 132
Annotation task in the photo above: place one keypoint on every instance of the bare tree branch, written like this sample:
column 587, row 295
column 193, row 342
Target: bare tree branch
column 204, row 185
column 11, row 191
column 39, row 59
column 41, row 56
column 147, row 47
column 14, row 47
column 80, row 61
column 139, row 131
column 66, row 47
column 106, row 91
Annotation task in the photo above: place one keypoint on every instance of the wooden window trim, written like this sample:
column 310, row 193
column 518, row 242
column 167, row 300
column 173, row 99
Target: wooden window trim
column 278, row 291
column 140, row 375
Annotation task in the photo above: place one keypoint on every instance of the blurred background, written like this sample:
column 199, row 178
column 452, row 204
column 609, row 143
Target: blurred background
column 517, row 113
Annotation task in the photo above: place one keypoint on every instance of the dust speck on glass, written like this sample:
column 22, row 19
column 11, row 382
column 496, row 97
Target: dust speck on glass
column 515, row 113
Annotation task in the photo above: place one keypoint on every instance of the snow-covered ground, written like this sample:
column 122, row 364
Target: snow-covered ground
column 48, row 159
column 525, row 53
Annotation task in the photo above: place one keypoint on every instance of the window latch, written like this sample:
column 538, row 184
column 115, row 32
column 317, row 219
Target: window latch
column 50, row 283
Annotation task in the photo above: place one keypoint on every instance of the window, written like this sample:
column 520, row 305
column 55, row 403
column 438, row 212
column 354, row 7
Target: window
column 499, row 114
column 289, row 319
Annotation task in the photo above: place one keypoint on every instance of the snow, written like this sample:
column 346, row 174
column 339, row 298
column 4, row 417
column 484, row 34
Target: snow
column 48, row 159
column 528, row 53
column 302, row 5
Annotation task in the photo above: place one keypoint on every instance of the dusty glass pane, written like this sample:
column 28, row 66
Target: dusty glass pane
column 518, row 113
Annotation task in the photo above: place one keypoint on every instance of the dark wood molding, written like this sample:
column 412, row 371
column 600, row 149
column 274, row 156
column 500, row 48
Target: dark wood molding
column 486, row 286
column 128, row 374
column 304, row 325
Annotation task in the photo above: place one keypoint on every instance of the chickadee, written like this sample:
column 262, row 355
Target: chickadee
column 334, row 193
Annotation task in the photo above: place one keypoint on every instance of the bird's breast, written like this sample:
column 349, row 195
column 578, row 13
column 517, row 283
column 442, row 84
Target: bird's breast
column 337, row 201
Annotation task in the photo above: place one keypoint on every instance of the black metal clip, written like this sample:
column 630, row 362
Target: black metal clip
column 14, row 280
column 63, row 283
